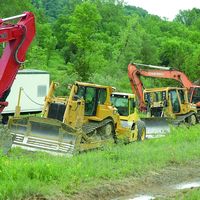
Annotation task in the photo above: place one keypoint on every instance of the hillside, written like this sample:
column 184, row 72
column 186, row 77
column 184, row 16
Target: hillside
column 95, row 40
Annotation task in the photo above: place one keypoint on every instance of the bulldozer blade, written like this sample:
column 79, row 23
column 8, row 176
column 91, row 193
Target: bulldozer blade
column 43, row 134
column 6, row 140
column 156, row 126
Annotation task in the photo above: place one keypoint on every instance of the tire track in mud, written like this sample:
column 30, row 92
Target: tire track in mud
column 160, row 184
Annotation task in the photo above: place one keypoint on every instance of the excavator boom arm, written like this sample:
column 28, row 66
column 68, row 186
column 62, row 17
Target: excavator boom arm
column 18, row 38
column 134, row 74
column 136, row 85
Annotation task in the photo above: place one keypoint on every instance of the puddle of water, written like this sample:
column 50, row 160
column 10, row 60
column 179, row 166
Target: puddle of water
column 153, row 136
column 183, row 186
column 143, row 197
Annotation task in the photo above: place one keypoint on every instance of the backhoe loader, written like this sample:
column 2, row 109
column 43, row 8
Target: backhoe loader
column 84, row 120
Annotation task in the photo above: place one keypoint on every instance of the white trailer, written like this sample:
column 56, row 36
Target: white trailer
column 35, row 85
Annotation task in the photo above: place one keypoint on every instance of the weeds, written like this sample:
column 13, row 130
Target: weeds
column 25, row 173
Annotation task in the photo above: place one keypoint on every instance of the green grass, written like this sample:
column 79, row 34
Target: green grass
column 191, row 194
column 23, row 173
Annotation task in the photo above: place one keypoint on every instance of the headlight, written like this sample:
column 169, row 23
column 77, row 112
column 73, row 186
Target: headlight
column 115, row 112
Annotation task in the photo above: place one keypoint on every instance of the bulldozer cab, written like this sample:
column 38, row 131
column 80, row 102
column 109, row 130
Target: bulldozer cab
column 97, row 102
column 92, row 96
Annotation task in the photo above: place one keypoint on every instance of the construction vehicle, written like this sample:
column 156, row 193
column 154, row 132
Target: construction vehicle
column 16, row 38
column 159, row 124
column 126, row 106
column 134, row 73
column 147, row 127
column 84, row 120
column 171, row 102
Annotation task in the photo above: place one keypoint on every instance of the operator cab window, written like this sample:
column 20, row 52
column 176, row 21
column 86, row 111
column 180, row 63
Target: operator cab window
column 81, row 92
column 181, row 94
column 196, row 95
column 174, row 101
column 90, row 101
column 132, row 106
column 102, row 96
column 121, row 103
column 89, row 94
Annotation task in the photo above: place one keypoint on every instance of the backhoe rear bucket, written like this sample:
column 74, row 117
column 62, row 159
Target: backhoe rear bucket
column 156, row 126
column 50, row 135
column 6, row 140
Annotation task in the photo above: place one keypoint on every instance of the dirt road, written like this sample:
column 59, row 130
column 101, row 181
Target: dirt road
column 159, row 184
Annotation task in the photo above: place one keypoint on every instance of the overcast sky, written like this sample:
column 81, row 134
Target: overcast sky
column 165, row 8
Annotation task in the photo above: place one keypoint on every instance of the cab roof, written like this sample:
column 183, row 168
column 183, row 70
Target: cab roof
column 91, row 85
column 163, row 89
column 123, row 94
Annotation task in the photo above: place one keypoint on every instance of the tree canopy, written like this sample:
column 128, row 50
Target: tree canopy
column 94, row 40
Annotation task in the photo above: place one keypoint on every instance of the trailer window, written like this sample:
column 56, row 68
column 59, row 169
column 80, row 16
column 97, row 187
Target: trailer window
column 41, row 90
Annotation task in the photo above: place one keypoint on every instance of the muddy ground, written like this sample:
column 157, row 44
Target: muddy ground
column 159, row 184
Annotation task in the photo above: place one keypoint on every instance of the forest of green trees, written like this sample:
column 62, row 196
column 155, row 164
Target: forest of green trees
column 94, row 40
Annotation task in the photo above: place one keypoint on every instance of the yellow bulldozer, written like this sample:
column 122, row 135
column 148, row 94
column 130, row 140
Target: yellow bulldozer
column 172, row 103
column 84, row 120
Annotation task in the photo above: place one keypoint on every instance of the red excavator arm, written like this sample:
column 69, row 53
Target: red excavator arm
column 134, row 74
column 18, row 38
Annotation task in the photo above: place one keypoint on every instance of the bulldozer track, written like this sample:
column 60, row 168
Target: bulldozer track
column 181, row 119
column 92, row 126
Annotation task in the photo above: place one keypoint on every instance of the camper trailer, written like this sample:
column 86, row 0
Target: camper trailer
column 33, row 85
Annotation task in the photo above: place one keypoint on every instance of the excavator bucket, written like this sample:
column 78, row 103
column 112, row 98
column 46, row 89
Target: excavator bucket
column 6, row 140
column 44, row 134
column 156, row 126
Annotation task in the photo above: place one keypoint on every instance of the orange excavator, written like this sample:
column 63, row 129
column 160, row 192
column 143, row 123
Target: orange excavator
column 135, row 72
column 16, row 38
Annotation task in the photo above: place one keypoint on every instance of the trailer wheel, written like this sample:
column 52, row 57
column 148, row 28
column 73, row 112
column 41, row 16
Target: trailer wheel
column 192, row 120
column 141, row 130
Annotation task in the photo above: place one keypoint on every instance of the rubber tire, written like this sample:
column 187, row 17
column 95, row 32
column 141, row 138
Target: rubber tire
column 141, row 130
column 192, row 120
column 108, row 130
